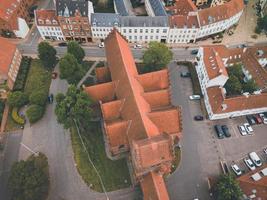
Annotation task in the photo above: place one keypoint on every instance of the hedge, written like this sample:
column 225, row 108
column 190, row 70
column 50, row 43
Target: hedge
column 22, row 74
column 18, row 119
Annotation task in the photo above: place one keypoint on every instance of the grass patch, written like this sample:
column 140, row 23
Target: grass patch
column 175, row 164
column 86, row 65
column 115, row 174
column 194, row 77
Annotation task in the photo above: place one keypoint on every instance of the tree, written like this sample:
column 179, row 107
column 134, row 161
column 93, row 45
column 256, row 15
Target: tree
column 227, row 188
column 35, row 112
column 157, row 56
column 233, row 86
column 262, row 23
column 250, row 86
column 236, row 70
column 47, row 54
column 70, row 69
column 75, row 105
column 76, row 50
column 29, row 180
column 38, row 97
column 17, row 99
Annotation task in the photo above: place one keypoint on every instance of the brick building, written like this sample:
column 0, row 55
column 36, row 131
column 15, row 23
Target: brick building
column 10, row 59
column 14, row 17
column 74, row 19
column 138, row 118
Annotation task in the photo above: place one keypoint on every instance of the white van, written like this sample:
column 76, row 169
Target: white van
column 255, row 158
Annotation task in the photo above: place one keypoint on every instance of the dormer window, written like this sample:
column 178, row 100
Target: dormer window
column 40, row 21
column 47, row 21
column 54, row 22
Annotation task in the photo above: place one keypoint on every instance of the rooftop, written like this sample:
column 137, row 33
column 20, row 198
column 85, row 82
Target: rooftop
column 67, row 8
column 46, row 18
column 7, row 8
column 144, row 21
column 182, row 7
column 121, row 8
column 158, row 7
column 179, row 21
column 105, row 19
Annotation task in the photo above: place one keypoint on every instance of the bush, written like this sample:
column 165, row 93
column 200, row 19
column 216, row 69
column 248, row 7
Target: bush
column 17, row 99
column 2, row 107
column 15, row 116
column 35, row 112
column 38, row 97
column 22, row 74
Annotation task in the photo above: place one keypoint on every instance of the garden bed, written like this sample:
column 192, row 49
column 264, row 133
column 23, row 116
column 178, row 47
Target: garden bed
column 115, row 174
column 22, row 74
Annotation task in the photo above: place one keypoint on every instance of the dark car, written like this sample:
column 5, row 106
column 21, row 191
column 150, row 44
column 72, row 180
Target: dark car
column 219, row 131
column 62, row 44
column 199, row 118
column 185, row 74
column 226, row 131
column 251, row 119
column 194, row 52
column 258, row 119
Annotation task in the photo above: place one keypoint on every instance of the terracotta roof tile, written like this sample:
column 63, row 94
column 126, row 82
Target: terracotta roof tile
column 179, row 21
column 7, row 51
column 153, row 187
column 8, row 8
column 47, row 17
column 102, row 74
column 158, row 99
column 182, row 7
column 154, row 80
column 111, row 110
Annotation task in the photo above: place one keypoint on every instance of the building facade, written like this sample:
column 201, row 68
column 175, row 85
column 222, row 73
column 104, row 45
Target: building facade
column 212, row 64
column 48, row 25
column 10, row 59
column 14, row 16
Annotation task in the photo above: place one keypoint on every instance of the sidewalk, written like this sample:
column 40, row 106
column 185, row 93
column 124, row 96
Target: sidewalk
column 88, row 74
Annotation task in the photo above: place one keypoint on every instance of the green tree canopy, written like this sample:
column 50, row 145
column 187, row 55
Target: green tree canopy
column 47, row 54
column 38, row 97
column 29, row 180
column 35, row 112
column 75, row 105
column 17, row 99
column 236, row 70
column 76, row 50
column 227, row 188
column 157, row 56
column 233, row 86
column 70, row 69
column 250, row 86
column 262, row 23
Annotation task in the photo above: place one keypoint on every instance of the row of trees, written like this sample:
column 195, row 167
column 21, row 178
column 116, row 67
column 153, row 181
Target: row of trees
column 261, row 24
column 235, row 85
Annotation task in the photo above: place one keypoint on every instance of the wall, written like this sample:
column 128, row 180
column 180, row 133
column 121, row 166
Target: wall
column 23, row 28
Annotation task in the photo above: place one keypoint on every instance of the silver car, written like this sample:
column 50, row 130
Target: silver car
column 242, row 130
column 236, row 169
column 249, row 164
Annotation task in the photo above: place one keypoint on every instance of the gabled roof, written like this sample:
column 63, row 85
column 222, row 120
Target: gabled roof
column 158, row 99
column 157, row 7
column 182, row 7
column 180, row 21
column 8, row 8
column 46, row 15
column 7, row 51
column 153, row 187
column 121, row 8
column 68, row 8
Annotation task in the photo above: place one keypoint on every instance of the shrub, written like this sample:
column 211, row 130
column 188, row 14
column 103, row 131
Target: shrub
column 22, row 74
column 17, row 99
column 35, row 112
column 38, row 97
column 18, row 119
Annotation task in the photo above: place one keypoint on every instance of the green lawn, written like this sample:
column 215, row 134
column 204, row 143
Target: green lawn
column 114, row 174
column 38, row 78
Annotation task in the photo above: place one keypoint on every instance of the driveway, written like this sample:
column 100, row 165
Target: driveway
column 49, row 137
column 200, row 157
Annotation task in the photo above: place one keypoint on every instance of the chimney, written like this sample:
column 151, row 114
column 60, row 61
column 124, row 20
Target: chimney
column 224, row 106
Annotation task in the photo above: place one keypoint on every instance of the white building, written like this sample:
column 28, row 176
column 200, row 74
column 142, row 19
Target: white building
column 212, row 62
column 47, row 25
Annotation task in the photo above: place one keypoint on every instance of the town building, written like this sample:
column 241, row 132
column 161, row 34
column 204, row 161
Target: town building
column 254, row 183
column 47, row 24
column 212, row 64
column 10, row 59
column 138, row 118
column 14, row 16
column 75, row 19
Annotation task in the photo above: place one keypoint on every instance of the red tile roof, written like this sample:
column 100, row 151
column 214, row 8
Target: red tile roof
column 47, row 16
column 179, row 21
column 8, row 8
column 153, row 187
column 7, row 51
column 220, row 12
column 182, row 7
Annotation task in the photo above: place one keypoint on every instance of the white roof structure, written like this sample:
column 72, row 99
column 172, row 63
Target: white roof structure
column 256, row 177
column 264, row 171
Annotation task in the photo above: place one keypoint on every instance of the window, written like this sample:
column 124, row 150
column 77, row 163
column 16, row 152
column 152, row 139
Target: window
column 157, row 31
column 135, row 30
column 124, row 30
column 146, row 30
column 152, row 30
column 141, row 30
column 164, row 30
column 130, row 30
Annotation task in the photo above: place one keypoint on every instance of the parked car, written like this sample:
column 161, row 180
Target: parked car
column 258, row 119
column 255, row 159
column 194, row 97
column 264, row 119
column 236, row 169
column 242, row 130
column 226, row 131
column 251, row 120
column 54, row 75
column 199, row 118
column 249, row 164
column 185, row 74
column 101, row 45
column 248, row 128
column 194, row 51
column 138, row 46
column 219, row 131
column 62, row 44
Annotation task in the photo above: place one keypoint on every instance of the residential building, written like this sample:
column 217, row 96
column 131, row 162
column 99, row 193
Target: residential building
column 138, row 118
column 74, row 18
column 14, row 17
column 120, row 7
column 201, row 2
column 254, row 183
column 47, row 24
column 212, row 64
column 10, row 59
column 155, row 8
